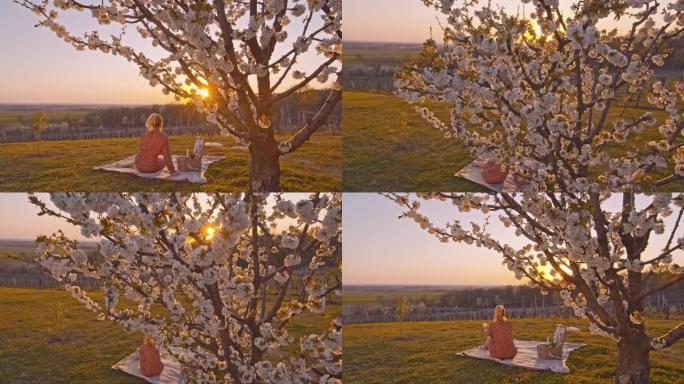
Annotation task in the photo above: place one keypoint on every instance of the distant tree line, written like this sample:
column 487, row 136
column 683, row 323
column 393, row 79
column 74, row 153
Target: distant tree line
column 477, row 303
column 377, row 76
column 129, row 121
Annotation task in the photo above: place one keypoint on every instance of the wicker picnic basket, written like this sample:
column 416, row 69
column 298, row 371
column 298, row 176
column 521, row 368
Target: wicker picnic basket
column 550, row 351
column 186, row 164
column 553, row 350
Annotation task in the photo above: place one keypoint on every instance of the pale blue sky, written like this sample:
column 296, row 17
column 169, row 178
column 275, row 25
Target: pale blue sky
column 37, row 67
column 379, row 248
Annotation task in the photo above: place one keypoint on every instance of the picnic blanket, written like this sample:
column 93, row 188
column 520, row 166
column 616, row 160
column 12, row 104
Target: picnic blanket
column 473, row 172
column 527, row 356
column 127, row 165
column 170, row 375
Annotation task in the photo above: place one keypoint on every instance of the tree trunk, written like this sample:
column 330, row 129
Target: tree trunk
column 264, row 173
column 633, row 361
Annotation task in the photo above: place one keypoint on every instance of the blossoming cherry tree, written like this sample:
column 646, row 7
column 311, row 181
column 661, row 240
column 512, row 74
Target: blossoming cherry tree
column 593, row 249
column 218, row 281
column 247, row 56
column 554, row 96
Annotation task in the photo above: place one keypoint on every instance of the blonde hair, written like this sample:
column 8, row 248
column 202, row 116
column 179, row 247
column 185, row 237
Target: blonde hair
column 155, row 122
column 500, row 313
column 148, row 340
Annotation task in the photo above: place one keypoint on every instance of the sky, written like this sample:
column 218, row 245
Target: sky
column 405, row 21
column 409, row 21
column 37, row 67
column 381, row 249
column 19, row 218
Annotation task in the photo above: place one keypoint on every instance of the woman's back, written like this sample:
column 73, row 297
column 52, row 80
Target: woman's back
column 501, row 344
column 150, row 360
column 153, row 144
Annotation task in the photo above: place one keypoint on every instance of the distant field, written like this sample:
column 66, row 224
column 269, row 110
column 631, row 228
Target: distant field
column 370, row 53
column 37, row 347
column 389, row 54
column 358, row 294
column 376, row 354
column 68, row 166
column 370, row 298
column 389, row 147
column 9, row 117
column 17, row 256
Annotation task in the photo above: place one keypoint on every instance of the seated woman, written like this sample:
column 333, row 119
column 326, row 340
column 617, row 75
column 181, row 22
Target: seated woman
column 154, row 143
column 149, row 358
column 500, row 341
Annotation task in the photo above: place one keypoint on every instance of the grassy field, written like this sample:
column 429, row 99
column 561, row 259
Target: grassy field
column 427, row 353
column 68, row 166
column 37, row 346
column 388, row 147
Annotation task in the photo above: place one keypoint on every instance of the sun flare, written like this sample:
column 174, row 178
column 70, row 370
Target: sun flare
column 537, row 32
column 209, row 233
column 548, row 273
column 203, row 92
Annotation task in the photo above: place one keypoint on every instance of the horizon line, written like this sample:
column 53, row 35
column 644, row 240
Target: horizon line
column 381, row 42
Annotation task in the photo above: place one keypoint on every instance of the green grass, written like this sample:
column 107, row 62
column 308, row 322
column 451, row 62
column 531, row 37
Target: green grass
column 389, row 147
column 68, row 166
column 34, row 348
column 375, row 353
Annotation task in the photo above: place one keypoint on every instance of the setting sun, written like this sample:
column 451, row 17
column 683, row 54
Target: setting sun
column 550, row 274
column 209, row 233
column 537, row 32
column 203, row 92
